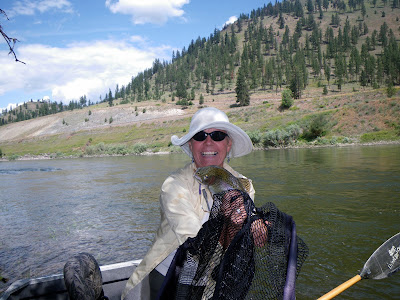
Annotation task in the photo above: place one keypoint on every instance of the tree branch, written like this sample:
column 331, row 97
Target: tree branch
column 9, row 40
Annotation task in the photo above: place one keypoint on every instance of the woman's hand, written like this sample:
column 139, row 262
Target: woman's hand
column 259, row 231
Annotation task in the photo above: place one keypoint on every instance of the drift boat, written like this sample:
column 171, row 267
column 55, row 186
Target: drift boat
column 53, row 287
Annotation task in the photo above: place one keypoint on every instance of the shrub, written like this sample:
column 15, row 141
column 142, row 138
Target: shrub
column 282, row 137
column 255, row 137
column 273, row 138
column 321, row 141
column 182, row 102
column 139, row 148
column 117, row 149
column 96, row 149
column 294, row 131
column 13, row 157
column 175, row 149
column 346, row 140
column 287, row 98
column 90, row 150
column 317, row 127
column 391, row 90
column 201, row 101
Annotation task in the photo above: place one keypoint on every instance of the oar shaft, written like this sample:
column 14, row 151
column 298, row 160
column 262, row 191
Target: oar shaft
column 336, row 291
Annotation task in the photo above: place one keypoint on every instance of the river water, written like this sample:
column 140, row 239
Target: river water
column 345, row 201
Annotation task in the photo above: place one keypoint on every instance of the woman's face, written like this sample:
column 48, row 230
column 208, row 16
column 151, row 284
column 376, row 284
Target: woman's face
column 209, row 152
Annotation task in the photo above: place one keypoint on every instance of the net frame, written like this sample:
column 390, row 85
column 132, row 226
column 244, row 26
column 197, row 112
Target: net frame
column 241, row 252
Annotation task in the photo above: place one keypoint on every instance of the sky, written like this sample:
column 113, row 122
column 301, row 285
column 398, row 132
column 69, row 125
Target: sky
column 73, row 48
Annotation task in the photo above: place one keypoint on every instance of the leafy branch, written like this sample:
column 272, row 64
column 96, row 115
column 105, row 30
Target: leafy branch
column 9, row 40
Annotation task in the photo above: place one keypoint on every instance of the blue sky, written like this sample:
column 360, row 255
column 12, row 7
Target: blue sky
column 73, row 47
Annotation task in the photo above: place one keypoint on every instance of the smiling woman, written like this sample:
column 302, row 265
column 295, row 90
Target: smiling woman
column 210, row 147
column 185, row 202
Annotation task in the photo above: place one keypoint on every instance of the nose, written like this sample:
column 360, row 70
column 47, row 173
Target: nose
column 208, row 139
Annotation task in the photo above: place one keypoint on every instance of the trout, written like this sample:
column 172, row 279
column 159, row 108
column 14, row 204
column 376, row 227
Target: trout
column 220, row 180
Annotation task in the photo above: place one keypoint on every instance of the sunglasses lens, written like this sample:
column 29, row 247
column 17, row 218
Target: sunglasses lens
column 216, row 136
column 200, row 136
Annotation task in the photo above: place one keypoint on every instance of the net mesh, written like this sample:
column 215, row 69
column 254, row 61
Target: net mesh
column 241, row 252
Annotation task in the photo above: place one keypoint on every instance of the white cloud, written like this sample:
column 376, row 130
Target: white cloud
column 29, row 7
column 148, row 11
column 10, row 106
column 231, row 20
column 79, row 69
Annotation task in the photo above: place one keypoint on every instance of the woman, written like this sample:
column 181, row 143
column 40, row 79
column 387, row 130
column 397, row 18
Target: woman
column 185, row 204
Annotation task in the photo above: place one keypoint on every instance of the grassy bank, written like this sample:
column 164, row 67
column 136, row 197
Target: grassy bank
column 367, row 116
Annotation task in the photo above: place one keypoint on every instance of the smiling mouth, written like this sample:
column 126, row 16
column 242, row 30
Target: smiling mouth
column 209, row 153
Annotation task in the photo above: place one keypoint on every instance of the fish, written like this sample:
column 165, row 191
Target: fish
column 220, row 180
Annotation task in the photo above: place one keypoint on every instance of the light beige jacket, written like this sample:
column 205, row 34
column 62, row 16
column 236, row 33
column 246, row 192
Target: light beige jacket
column 182, row 211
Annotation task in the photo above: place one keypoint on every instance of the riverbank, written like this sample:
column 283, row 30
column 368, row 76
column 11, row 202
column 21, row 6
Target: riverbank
column 367, row 116
column 48, row 156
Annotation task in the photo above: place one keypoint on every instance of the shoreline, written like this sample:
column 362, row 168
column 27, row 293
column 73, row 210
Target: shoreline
column 52, row 156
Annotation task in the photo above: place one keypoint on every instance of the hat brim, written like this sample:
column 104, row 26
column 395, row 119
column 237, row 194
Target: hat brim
column 241, row 143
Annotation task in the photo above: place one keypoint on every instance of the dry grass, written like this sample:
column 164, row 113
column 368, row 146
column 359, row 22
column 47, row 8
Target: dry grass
column 352, row 113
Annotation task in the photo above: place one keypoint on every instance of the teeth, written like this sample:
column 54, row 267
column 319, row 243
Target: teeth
column 209, row 153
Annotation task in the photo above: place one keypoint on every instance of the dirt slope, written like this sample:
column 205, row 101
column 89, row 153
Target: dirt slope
column 81, row 120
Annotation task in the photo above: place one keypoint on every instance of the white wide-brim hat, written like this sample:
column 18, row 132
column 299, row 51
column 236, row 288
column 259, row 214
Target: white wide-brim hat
column 211, row 117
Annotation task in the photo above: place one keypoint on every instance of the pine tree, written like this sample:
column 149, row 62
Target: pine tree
column 339, row 72
column 327, row 71
column 242, row 89
column 181, row 92
column 110, row 98
column 201, row 100
column 325, row 4
column 310, row 6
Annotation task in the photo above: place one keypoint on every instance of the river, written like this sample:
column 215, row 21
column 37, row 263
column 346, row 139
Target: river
column 345, row 201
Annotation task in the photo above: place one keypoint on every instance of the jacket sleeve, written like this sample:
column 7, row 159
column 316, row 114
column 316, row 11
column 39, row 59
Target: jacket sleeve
column 180, row 207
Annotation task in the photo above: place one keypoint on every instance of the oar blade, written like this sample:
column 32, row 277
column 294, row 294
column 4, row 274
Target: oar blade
column 384, row 261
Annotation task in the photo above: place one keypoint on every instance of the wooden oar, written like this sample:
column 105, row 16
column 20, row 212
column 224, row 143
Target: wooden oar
column 382, row 263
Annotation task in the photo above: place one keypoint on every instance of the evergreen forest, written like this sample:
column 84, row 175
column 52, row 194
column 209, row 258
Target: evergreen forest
column 283, row 47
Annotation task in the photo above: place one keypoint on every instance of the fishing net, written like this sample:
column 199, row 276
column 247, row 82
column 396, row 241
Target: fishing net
column 241, row 252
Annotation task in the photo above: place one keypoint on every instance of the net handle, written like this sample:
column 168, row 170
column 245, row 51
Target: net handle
column 344, row 286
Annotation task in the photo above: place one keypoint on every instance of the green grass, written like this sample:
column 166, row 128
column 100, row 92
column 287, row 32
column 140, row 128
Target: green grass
column 345, row 115
column 383, row 135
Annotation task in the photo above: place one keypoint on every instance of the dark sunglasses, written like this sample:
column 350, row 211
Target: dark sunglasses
column 216, row 136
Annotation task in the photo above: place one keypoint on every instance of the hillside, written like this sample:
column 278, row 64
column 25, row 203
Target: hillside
column 338, row 59
column 350, row 117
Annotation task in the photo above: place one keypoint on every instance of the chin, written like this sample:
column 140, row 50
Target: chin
column 207, row 162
